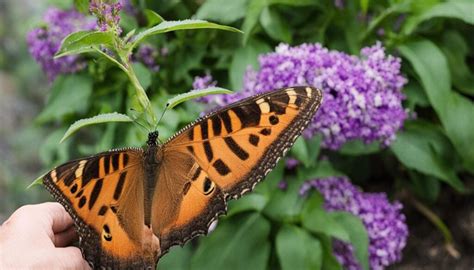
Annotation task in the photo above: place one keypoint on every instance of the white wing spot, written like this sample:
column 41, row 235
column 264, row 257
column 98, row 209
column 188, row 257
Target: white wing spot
column 80, row 168
column 292, row 95
column 308, row 91
column 54, row 176
column 264, row 107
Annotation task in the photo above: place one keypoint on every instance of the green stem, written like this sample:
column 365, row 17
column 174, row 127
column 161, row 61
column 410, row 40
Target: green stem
column 141, row 94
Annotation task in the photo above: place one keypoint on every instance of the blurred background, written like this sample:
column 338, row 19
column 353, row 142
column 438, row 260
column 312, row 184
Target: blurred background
column 425, row 159
column 23, row 87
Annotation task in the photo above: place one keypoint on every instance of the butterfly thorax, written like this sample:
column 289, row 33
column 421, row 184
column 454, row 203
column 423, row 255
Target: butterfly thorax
column 151, row 163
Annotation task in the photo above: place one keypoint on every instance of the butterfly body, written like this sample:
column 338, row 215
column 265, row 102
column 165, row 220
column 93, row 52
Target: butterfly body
column 131, row 205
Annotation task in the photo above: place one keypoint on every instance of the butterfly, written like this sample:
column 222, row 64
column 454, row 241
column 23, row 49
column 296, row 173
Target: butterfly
column 131, row 205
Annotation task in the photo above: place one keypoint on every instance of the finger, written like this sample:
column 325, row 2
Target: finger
column 65, row 238
column 60, row 219
column 71, row 258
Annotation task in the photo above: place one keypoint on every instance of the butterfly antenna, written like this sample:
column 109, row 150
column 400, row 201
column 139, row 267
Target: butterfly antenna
column 141, row 125
column 161, row 117
column 135, row 120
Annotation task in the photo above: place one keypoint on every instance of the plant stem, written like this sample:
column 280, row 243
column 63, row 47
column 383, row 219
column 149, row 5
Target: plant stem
column 436, row 220
column 140, row 92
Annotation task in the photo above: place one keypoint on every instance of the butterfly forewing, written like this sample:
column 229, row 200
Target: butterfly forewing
column 102, row 194
column 238, row 145
column 224, row 154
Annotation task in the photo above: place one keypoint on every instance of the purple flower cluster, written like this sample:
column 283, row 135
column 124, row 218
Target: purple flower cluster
column 362, row 95
column 148, row 55
column 107, row 15
column 44, row 42
column 384, row 221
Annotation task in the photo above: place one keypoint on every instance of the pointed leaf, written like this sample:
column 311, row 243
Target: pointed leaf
column 152, row 17
column 37, row 181
column 174, row 101
column 357, row 235
column 84, row 41
column 98, row 119
column 425, row 149
column 169, row 26
column 461, row 10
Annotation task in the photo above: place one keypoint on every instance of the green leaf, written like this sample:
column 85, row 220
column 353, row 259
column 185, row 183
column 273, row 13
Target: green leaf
column 178, row 258
column 98, row 119
column 152, row 17
column 314, row 147
column 461, row 10
column 415, row 96
column 454, row 111
column 174, row 101
column 425, row 186
column 298, row 249
column 329, row 261
column 275, row 26
column 423, row 147
column 316, row 220
column 84, row 41
column 69, row 94
column 357, row 235
column 357, row 147
column 222, row 11
column 458, row 125
column 456, row 51
column 245, row 57
column 300, row 151
column 250, row 202
column 254, row 10
column 169, row 26
column 432, row 68
column 37, row 181
column 256, row 7
column 241, row 242
column 286, row 206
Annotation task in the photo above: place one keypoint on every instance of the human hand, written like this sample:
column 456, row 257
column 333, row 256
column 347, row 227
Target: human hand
column 37, row 237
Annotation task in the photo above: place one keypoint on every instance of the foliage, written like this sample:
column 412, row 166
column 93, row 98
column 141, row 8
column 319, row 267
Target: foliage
column 274, row 228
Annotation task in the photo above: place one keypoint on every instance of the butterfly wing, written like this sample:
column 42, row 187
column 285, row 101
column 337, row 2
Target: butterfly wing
column 224, row 155
column 104, row 195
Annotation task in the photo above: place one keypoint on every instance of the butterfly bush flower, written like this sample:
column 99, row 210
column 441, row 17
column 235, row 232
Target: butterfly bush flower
column 384, row 221
column 107, row 14
column 362, row 95
column 44, row 42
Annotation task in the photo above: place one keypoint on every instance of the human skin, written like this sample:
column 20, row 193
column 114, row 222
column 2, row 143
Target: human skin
column 38, row 237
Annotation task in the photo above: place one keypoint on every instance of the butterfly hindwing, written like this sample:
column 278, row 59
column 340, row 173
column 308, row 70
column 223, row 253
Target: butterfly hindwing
column 104, row 195
column 223, row 155
column 186, row 201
